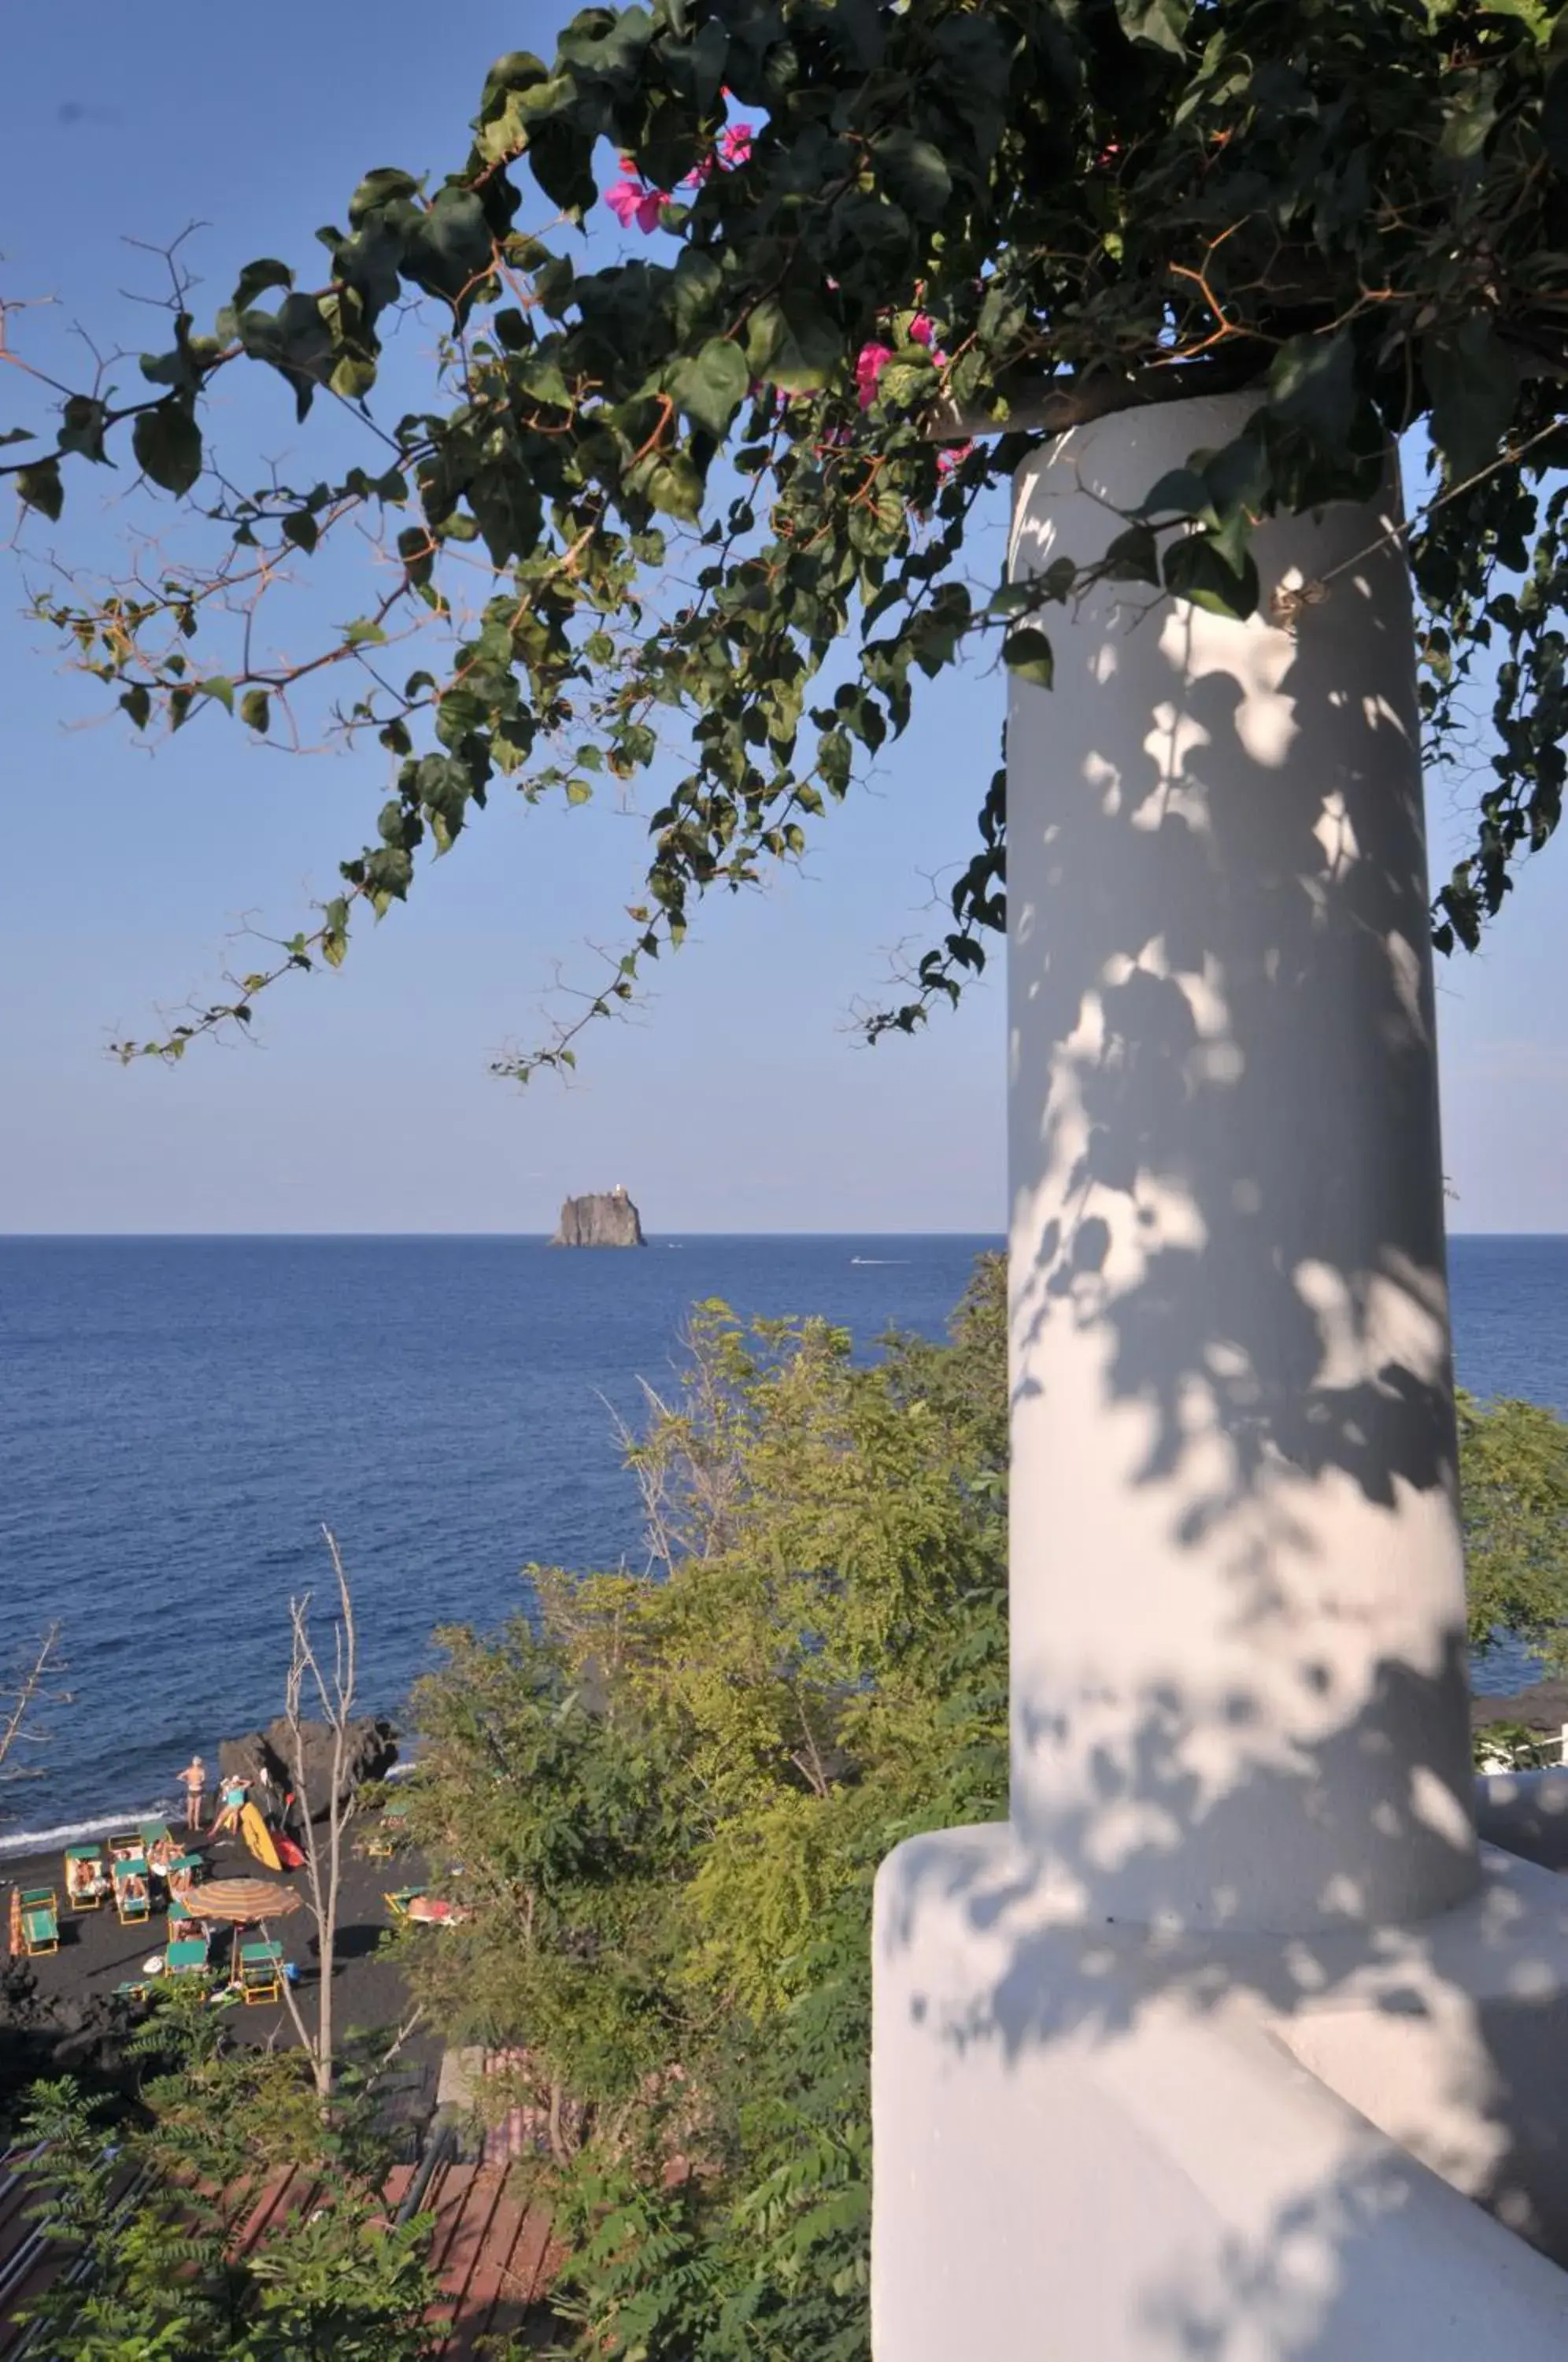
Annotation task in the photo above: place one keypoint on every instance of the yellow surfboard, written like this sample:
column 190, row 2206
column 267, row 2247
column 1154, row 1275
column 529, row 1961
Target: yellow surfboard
column 253, row 1829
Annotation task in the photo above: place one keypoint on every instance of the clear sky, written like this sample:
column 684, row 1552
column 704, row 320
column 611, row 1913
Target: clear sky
column 741, row 1099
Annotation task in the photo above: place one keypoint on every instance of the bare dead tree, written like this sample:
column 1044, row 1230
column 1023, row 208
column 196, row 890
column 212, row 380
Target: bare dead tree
column 322, row 1849
column 32, row 1685
column 688, row 1462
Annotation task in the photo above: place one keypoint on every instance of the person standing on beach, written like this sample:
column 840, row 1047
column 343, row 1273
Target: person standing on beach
column 232, row 1795
column 193, row 1780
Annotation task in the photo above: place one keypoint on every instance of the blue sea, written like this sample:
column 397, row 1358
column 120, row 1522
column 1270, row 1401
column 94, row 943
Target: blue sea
column 178, row 1418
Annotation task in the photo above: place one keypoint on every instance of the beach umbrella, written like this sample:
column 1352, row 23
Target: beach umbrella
column 242, row 1900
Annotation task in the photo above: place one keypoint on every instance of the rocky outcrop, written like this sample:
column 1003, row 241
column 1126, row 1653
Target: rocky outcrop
column 611, row 1220
column 266, row 1758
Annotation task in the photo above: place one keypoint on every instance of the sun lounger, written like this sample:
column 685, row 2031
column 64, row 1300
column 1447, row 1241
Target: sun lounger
column 85, row 1885
column 398, row 1903
column 187, row 1955
column 133, row 1899
column 40, row 1921
column 131, row 1989
column 155, row 1833
column 261, row 1972
column 122, row 1847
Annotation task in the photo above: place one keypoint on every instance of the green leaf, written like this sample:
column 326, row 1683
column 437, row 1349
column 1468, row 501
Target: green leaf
column 1473, row 381
column 168, row 445
column 256, row 710
column 257, row 278
column 16, row 434
column 137, row 704
column 1312, row 385
column 364, row 633
column 578, row 791
column 792, row 342
column 913, row 173
column 1027, row 656
column 670, row 481
column 711, row 386
column 1197, row 570
column 300, row 528
column 1134, row 555
column 41, row 489
column 697, row 284
column 449, row 249
column 1161, row 23
column 217, row 686
column 383, row 187
column 84, row 421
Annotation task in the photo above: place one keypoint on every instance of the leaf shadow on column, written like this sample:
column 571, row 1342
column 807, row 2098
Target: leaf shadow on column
column 1272, row 1338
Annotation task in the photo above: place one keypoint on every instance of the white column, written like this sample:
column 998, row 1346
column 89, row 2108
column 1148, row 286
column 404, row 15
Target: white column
column 1239, row 1685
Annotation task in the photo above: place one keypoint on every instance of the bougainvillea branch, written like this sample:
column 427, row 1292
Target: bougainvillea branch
column 718, row 490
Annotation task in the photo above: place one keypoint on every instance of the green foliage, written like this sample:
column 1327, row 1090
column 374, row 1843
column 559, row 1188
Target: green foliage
column 669, row 1795
column 1513, row 1465
column 147, row 2213
column 1513, row 1745
column 706, row 475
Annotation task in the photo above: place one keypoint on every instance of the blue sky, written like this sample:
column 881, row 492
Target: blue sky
column 740, row 1099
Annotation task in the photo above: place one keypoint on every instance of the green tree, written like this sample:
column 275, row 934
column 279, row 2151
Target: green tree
column 721, row 490
column 669, row 1795
column 146, row 2211
column 1513, row 1467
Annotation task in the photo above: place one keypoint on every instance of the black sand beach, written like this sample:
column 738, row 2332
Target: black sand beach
column 96, row 1953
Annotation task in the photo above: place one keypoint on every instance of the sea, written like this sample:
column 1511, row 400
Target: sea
column 179, row 1418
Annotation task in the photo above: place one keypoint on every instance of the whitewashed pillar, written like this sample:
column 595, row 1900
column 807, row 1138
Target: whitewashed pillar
column 1239, row 1685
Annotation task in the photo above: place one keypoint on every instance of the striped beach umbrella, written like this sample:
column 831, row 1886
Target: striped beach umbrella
column 243, row 1900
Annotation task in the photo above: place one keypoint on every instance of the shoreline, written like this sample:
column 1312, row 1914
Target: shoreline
column 70, row 1991
column 23, row 1845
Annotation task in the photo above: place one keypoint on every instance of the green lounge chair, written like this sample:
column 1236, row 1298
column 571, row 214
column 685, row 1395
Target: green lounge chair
column 187, row 1955
column 179, row 1914
column 40, row 1921
column 83, row 1876
column 398, row 1903
column 261, row 1972
column 133, row 1899
column 154, row 1833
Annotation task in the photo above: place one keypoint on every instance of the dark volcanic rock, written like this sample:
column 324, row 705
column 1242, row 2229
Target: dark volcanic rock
column 611, row 1220
column 265, row 1759
column 1544, row 1707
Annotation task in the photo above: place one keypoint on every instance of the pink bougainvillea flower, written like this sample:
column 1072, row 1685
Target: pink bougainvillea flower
column 735, row 145
column 871, row 360
column 630, row 202
column 952, row 458
column 923, row 328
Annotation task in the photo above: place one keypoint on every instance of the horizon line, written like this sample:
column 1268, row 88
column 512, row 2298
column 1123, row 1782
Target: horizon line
column 169, row 1238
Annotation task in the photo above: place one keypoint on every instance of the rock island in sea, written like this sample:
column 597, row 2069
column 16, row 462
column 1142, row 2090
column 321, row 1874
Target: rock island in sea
column 609, row 1220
